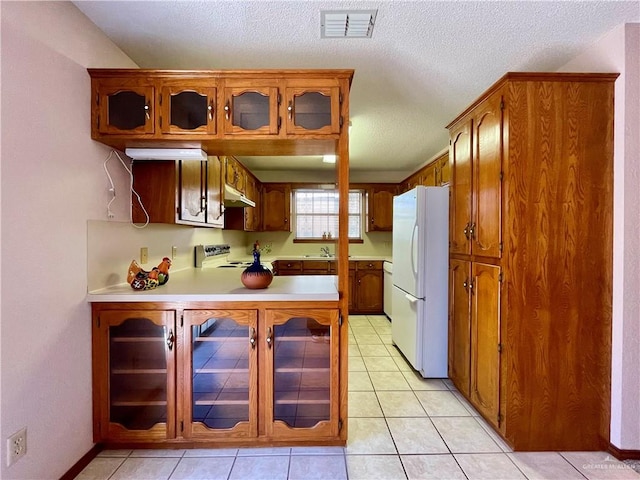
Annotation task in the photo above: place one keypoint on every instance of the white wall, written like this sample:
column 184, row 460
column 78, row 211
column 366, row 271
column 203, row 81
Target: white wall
column 619, row 51
column 52, row 184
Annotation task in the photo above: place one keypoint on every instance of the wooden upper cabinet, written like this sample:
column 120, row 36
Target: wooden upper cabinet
column 276, row 207
column 123, row 106
column 215, row 193
column 235, row 174
column 380, row 208
column 485, row 230
column 188, row 107
column 444, row 170
column 460, row 201
column 178, row 192
column 476, row 162
column 251, row 107
column 192, row 191
column 313, row 106
column 430, row 175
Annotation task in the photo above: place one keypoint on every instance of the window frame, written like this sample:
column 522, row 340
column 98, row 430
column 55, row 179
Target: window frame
column 317, row 188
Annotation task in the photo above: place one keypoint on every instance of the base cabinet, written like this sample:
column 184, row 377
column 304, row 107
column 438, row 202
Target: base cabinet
column 263, row 376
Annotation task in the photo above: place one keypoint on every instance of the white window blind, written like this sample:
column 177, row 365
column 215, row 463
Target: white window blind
column 316, row 213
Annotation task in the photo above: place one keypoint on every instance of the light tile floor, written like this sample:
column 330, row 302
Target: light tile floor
column 400, row 427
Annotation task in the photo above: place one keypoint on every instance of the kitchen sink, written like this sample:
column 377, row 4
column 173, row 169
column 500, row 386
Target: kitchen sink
column 319, row 256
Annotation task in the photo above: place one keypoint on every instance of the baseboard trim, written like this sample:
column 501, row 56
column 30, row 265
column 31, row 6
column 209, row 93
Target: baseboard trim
column 624, row 454
column 77, row 467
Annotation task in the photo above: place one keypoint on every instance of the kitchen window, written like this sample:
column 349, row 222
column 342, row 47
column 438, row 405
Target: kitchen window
column 315, row 213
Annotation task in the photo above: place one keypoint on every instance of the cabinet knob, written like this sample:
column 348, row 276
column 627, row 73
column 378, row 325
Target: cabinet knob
column 210, row 110
column 227, row 111
column 290, row 110
column 147, row 110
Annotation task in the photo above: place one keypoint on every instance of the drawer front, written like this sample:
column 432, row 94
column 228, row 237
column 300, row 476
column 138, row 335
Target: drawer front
column 290, row 265
column 369, row 265
column 312, row 266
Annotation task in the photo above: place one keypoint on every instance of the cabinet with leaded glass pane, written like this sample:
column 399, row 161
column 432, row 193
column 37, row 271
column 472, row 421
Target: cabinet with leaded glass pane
column 220, row 374
column 134, row 371
column 251, row 106
column 188, row 106
column 313, row 106
column 124, row 106
column 248, row 374
column 301, row 365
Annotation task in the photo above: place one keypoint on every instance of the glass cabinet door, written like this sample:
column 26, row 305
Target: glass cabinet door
column 220, row 374
column 140, row 347
column 302, row 372
column 126, row 110
column 313, row 110
column 251, row 109
column 188, row 110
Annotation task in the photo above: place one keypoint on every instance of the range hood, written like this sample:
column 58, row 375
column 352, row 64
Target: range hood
column 233, row 198
column 166, row 154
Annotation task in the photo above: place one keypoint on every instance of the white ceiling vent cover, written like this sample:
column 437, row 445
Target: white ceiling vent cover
column 347, row 23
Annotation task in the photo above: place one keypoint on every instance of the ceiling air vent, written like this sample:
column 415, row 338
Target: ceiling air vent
column 347, row 23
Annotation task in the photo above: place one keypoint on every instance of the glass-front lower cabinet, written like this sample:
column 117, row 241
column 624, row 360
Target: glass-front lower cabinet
column 133, row 375
column 301, row 362
column 245, row 378
column 220, row 374
column 254, row 376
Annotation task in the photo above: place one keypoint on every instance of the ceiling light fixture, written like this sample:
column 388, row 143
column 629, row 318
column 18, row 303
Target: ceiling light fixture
column 347, row 23
column 329, row 159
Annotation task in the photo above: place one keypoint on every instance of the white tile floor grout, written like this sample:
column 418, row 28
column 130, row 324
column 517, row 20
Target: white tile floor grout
column 400, row 427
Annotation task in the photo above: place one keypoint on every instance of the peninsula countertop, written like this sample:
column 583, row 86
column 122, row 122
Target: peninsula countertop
column 222, row 284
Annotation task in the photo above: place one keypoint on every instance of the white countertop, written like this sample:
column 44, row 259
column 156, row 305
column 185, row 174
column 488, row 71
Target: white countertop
column 222, row 284
column 320, row 257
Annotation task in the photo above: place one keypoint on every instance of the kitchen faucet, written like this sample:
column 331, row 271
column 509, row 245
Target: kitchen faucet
column 325, row 251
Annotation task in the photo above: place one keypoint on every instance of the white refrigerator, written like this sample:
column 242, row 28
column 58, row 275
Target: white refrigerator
column 420, row 278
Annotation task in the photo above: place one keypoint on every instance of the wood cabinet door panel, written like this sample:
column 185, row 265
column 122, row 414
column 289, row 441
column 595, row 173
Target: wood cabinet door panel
column 487, row 169
column 305, row 115
column 219, row 374
column 301, row 373
column 276, row 207
column 380, row 208
column 368, row 291
column 444, row 170
column 215, row 187
column 485, row 340
column 192, row 191
column 188, row 109
column 459, row 324
column 126, row 107
column 250, row 108
column 135, row 367
column 460, row 202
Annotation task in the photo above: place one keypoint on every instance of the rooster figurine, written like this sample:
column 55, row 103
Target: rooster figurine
column 140, row 279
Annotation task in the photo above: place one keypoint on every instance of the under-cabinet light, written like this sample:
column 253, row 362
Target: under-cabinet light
column 166, row 154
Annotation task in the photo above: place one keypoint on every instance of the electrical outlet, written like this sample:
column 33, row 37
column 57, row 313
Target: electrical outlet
column 16, row 446
column 144, row 255
column 174, row 252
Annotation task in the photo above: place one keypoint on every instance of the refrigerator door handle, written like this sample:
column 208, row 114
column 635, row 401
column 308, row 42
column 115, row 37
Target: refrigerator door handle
column 411, row 298
column 414, row 249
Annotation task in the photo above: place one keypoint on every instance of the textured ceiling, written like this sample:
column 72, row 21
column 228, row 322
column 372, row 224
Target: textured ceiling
column 426, row 61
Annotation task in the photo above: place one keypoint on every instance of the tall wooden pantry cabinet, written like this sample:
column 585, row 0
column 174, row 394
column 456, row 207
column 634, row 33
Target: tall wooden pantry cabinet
column 531, row 258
